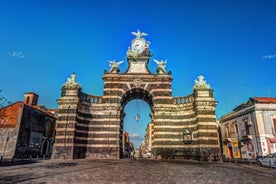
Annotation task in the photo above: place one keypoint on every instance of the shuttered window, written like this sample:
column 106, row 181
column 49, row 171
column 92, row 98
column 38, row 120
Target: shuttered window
column 274, row 123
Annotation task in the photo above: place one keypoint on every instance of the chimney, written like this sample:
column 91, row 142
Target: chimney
column 30, row 98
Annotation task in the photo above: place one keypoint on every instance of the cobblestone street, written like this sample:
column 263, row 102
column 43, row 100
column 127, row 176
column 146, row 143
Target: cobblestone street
column 139, row 171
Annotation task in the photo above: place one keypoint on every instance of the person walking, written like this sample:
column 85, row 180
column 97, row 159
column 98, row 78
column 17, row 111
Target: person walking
column 132, row 154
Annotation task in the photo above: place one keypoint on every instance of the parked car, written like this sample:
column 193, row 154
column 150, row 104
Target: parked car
column 268, row 160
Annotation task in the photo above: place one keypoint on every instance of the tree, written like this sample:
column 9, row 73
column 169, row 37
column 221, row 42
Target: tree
column 3, row 100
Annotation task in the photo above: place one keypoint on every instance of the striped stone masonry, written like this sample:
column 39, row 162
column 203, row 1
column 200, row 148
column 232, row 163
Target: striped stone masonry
column 91, row 127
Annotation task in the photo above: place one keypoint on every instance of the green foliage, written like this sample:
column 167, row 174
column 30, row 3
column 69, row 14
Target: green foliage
column 3, row 100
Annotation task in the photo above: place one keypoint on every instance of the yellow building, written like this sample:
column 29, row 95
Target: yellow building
column 249, row 130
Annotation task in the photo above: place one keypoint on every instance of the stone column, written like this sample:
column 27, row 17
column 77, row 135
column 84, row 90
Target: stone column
column 66, row 123
column 205, row 108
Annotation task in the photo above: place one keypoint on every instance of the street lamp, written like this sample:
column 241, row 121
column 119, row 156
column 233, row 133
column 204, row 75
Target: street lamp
column 187, row 136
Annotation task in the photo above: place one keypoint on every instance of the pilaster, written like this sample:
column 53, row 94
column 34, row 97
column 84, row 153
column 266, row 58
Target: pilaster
column 66, row 123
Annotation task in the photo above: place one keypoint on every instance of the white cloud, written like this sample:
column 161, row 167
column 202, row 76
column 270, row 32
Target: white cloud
column 17, row 55
column 136, row 136
column 269, row 56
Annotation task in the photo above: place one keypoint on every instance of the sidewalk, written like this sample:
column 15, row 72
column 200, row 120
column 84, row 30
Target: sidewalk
column 252, row 165
column 248, row 164
column 25, row 161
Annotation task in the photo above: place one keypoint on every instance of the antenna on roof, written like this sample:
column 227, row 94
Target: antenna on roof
column 268, row 91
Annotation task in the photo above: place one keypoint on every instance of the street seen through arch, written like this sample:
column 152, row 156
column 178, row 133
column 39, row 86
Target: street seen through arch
column 136, row 128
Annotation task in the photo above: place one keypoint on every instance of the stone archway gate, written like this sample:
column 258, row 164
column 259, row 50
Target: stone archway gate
column 91, row 126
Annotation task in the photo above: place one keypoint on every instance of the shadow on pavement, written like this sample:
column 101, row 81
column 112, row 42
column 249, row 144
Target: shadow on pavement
column 17, row 162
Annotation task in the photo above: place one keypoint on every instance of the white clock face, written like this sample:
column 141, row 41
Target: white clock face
column 138, row 45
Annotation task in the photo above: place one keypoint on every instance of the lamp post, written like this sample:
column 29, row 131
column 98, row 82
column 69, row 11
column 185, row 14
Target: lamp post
column 187, row 136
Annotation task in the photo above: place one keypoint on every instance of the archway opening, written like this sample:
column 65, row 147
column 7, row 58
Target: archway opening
column 137, row 111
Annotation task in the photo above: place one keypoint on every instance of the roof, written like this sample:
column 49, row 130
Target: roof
column 11, row 104
column 40, row 108
column 250, row 103
column 255, row 100
column 31, row 93
column 264, row 99
column 242, row 106
column 9, row 115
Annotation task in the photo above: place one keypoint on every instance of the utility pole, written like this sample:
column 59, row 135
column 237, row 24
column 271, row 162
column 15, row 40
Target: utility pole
column 268, row 91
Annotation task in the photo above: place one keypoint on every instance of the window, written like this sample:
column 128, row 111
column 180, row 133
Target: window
column 27, row 100
column 246, row 127
column 227, row 131
column 274, row 123
column 35, row 139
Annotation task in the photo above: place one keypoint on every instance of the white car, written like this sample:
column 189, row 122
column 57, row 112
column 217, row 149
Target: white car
column 268, row 160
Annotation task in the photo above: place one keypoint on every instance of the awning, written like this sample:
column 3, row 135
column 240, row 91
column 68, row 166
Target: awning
column 272, row 140
column 226, row 140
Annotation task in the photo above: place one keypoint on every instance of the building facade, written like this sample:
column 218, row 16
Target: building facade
column 148, row 137
column 125, row 144
column 249, row 130
column 89, row 126
column 26, row 129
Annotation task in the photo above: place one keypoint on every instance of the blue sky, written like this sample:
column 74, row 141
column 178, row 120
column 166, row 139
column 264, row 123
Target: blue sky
column 232, row 43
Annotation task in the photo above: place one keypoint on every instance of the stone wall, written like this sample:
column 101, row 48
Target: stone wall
column 91, row 126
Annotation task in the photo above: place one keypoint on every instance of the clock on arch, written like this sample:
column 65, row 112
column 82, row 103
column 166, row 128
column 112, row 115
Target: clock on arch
column 138, row 45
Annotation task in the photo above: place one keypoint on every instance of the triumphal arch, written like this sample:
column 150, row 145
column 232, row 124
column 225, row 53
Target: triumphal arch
column 91, row 127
